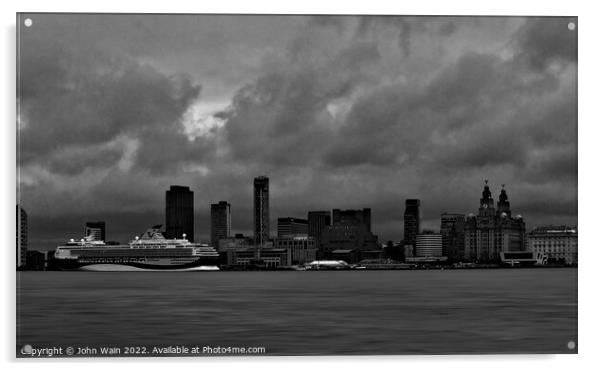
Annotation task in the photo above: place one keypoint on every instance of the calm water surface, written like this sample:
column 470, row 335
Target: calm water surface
column 297, row 313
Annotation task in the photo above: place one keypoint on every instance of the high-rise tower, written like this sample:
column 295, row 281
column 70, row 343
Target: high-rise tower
column 411, row 222
column 261, row 209
column 179, row 212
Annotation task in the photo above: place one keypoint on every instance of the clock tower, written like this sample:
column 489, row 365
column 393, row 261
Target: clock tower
column 487, row 204
column 503, row 205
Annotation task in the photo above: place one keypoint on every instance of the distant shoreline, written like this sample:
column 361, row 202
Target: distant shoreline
column 287, row 269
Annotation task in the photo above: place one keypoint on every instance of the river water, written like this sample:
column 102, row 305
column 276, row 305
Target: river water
column 304, row 313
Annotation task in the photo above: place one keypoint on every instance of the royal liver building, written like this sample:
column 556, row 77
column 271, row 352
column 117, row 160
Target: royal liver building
column 493, row 230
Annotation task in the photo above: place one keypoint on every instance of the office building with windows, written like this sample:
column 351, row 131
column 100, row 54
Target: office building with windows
column 179, row 212
column 221, row 222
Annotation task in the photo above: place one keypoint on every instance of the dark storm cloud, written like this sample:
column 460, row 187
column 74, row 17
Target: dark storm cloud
column 72, row 162
column 383, row 126
column 75, row 96
column 343, row 112
column 286, row 108
column 545, row 40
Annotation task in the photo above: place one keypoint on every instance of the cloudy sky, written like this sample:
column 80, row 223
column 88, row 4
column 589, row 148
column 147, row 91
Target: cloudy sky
column 339, row 112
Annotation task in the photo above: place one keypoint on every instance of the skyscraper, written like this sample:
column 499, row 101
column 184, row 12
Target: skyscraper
column 411, row 222
column 95, row 229
column 317, row 221
column 179, row 212
column 221, row 222
column 22, row 232
column 289, row 227
column 261, row 209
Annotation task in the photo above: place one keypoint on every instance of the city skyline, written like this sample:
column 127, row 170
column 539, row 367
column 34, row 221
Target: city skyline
column 340, row 112
column 362, row 215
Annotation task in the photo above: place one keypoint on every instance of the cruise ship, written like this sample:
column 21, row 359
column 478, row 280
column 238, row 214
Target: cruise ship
column 149, row 252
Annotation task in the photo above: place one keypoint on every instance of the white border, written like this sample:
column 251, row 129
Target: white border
column 589, row 155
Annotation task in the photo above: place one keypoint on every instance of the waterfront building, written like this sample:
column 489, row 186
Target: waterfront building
column 394, row 251
column 261, row 210
column 300, row 250
column 452, row 236
column 96, row 230
column 522, row 258
column 493, row 230
column 411, row 223
column 221, row 222
column 350, row 256
column 269, row 258
column 350, row 231
column 179, row 212
column 22, row 237
column 317, row 221
column 408, row 252
column 429, row 245
column 36, row 260
column 557, row 243
column 362, row 216
column 227, row 247
column 288, row 227
column 327, row 264
column 239, row 241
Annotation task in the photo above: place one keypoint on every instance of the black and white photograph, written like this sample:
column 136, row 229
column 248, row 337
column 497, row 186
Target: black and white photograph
column 257, row 185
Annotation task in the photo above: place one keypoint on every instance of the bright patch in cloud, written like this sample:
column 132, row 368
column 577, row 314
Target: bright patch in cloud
column 199, row 121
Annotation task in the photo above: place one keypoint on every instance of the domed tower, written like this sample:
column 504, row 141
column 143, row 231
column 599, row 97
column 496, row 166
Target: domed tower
column 487, row 204
column 503, row 205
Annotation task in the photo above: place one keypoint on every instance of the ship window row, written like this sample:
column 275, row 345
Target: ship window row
column 129, row 254
column 132, row 251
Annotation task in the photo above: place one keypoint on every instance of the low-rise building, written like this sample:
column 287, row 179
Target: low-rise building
column 269, row 258
column 557, row 243
column 227, row 248
column 300, row 250
column 350, row 256
column 429, row 245
column 36, row 260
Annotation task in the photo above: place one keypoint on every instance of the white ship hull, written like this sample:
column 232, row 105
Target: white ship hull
column 129, row 268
